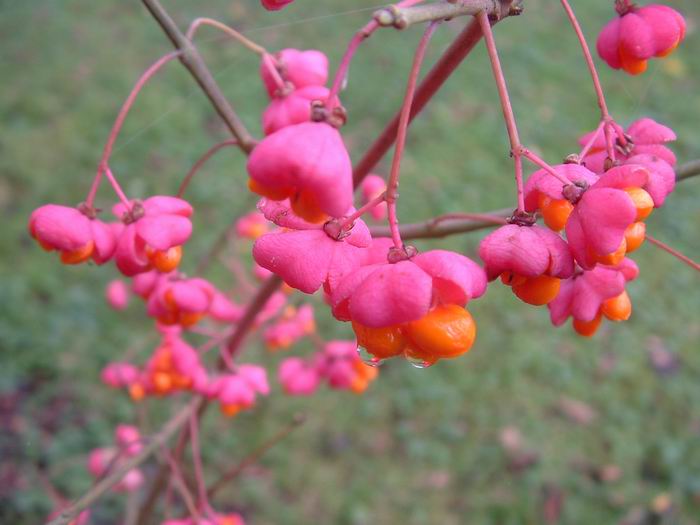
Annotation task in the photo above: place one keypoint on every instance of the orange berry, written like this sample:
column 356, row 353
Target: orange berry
column 538, row 290
column 635, row 235
column 230, row 410
column 169, row 318
column 165, row 261
column 137, row 392
column 632, row 65
column 380, row 342
column 182, row 382
column 587, row 328
column 276, row 194
column 614, row 258
column 642, row 201
column 512, row 279
column 305, row 205
column 618, row 308
column 555, row 212
column 420, row 358
column 446, row 331
column 359, row 384
column 78, row 256
column 189, row 319
column 163, row 360
column 162, row 382
column 365, row 371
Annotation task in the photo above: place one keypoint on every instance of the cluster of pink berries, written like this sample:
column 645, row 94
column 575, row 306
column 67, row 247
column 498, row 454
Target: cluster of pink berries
column 127, row 443
column 175, row 367
column 638, row 34
column 399, row 302
column 337, row 363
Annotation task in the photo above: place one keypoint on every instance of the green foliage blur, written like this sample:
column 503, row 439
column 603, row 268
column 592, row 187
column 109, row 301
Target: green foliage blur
column 534, row 425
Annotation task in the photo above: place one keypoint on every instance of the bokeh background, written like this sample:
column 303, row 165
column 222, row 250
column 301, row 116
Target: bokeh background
column 534, row 425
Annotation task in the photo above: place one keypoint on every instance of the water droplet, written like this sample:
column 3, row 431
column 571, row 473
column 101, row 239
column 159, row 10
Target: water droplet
column 418, row 362
column 368, row 358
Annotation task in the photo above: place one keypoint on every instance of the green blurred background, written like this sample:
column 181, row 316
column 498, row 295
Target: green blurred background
column 533, row 426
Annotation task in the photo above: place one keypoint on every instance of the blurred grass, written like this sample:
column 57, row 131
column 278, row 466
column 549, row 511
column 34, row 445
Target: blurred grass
column 420, row 446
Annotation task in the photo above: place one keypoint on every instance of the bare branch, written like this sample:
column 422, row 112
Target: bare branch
column 194, row 63
column 688, row 170
column 153, row 444
column 403, row 17
column 255, row 455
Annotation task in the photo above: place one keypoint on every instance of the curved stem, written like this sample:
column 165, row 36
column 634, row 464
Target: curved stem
column 684, row 258
column 117, row 188
column 359, row 37
column 245, row 41
column 506, row 106
column 594, row 136
column 267, row 59
column 200, row 162
column 119, row 122
column 271, row 66
column 529, row 155
column 605, row 117
column 393, row 184
column 364, row 209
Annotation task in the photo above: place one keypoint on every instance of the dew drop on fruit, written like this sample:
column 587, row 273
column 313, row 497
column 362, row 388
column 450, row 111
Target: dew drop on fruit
column 417, row 362
column 368, row 358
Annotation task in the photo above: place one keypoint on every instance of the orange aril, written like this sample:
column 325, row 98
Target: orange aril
column 162, row 382
column 137, row 392
column 365, row 371
column 555, row 212
column 512, row 279
column 165, row 261
column 359, row 384
column 230, row 410
column 189, row 319
column 614, row 258
column 276, row 194
column 380, row 342
column 305, row 205
column 632, row 65
column 446, row 331
column 538, row 290
column 618, row 308
column 181, row 381
column 635, row 235
column 163, row 360
column 587, row 328
column 642, row 202
column 78, row 256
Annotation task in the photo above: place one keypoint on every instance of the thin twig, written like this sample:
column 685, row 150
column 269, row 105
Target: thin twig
column 194, row 63
column 256, row 454
column 678, row 255
column 157, row 441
